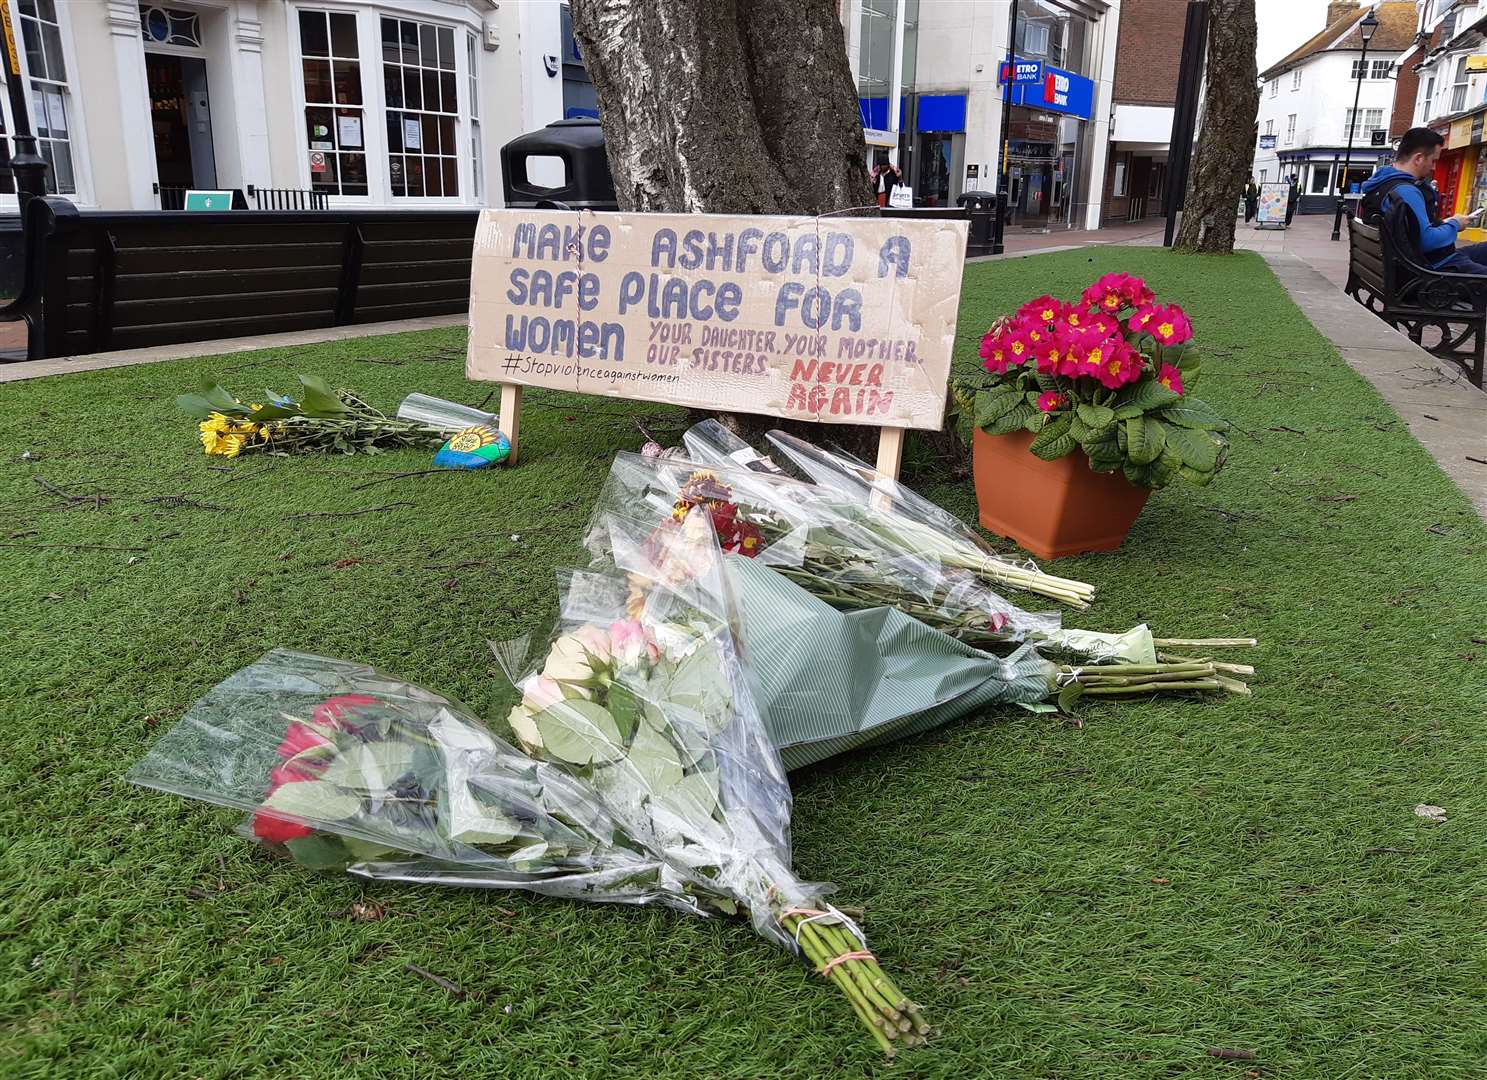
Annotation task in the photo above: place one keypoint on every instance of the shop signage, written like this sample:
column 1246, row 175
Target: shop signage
column 833, row 320
column 1461, row 134
column 1477, row 62
column 1477, row 128
column 317, row 161
column 1023, row 71
column 1057, row 91
column 1272, row 208
column 1377, row 138
column 1267, row 142
column 208, row 200
column 879, row 137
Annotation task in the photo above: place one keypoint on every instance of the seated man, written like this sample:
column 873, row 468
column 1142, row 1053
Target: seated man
column 1407, row 183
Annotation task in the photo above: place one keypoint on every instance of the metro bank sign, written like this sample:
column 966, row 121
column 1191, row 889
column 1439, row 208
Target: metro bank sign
column 1043, row 86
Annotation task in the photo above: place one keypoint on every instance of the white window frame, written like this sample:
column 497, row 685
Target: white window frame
column 1458, row 86
column 1372, row 120
column 1269, row 127
column 1296, row 79
column 374, row 100
column 1291, row 129
column 82, row 173
column 1425, row 113
column 301, row 142
column 1275, row 86
column 1381, row 69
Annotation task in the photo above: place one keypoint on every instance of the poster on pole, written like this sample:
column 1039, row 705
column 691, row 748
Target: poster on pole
column 1272, row 211
column 833, row 320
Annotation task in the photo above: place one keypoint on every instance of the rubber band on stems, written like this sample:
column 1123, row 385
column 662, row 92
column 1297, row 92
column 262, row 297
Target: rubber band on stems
column 861, row 954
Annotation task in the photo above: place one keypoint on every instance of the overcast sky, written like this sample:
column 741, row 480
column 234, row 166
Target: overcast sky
column 1285, row 24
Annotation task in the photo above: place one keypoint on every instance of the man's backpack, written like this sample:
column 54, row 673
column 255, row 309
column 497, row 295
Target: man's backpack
column 1397, row 220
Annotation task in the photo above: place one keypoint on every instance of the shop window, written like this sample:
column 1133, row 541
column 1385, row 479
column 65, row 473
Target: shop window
column 418, row 71
column 335, row 120
column 50, row 96
column 1321, row 179
column 1121, row 163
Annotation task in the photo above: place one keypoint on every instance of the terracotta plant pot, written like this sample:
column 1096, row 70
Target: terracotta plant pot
column 1052, row 508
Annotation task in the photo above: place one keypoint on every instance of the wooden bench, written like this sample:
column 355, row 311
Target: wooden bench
column 97, row 281
column 1443, row 312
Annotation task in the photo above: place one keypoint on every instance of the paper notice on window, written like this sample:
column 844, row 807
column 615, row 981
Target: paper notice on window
column 56, row 115
column 412, row 135
column 349, row 129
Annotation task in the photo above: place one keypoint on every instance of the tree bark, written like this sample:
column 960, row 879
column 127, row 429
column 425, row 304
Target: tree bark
column 726, row 106
column 1226, row 136
column 730, row 107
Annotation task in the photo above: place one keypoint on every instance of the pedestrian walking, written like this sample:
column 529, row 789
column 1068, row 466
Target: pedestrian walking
column 1251, row 201
column 1293, row 196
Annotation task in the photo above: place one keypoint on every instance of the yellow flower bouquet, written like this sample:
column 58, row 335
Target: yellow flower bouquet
column 322, row 420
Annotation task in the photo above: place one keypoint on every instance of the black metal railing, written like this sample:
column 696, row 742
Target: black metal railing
column 173, row 197
column 288, row 199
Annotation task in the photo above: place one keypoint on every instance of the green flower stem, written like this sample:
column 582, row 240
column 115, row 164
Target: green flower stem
column 1153, row 688
column 1206, row 643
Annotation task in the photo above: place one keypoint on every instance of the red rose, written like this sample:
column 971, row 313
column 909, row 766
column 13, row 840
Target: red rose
column 330, row 711
column 276, row 830
column 300, row 737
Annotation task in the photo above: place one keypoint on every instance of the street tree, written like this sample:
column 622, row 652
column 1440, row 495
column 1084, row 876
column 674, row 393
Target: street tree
column 725, row 106
column 1226, row 134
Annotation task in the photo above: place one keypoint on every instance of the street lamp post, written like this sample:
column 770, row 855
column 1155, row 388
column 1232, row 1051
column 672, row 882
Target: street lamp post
column 1366, row 30
column 1004, row 166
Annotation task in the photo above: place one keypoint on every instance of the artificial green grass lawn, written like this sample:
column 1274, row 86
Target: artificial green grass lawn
column 1105, row 900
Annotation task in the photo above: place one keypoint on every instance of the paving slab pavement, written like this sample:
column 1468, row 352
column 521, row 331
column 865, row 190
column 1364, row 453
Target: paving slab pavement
column 63, row 365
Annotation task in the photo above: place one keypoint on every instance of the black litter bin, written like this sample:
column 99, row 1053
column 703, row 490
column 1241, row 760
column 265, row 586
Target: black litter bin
column 983, row 209
column 579, row 144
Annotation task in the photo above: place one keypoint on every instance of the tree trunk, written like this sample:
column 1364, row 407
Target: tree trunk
column 1226, row 137
column 730, row 107
column 726, row 106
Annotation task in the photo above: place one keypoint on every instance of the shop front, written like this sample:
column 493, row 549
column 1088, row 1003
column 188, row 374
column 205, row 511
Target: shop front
column 1048, row 145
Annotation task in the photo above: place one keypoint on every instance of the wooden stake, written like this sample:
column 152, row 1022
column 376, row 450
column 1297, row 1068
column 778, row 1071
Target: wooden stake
column 509, row 422
column 890, row 451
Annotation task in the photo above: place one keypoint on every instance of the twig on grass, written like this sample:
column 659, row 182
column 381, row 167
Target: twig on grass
column 99, row 500
column 453, row 987
column 1230, row 1054
column 73, row 547
column 347, row 513
column 405, row 475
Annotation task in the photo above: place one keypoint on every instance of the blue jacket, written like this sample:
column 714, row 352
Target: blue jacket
column 1437, row 242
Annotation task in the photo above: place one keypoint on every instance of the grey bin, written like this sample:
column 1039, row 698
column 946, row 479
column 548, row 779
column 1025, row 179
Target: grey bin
column 579, row 144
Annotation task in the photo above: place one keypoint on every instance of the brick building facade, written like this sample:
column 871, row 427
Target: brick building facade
column 1147, row 58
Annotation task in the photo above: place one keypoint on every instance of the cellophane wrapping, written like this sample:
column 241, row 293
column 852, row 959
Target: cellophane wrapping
column 646, row 774
column 830, row 543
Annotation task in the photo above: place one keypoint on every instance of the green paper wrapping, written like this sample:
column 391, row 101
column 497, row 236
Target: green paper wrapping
column 830, row 681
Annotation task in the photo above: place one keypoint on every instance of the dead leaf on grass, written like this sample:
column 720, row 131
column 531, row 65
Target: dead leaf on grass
column 1434, row 814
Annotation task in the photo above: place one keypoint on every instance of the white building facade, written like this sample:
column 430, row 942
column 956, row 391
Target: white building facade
column 1306, row 116
column 942, row 61
column 393, row 103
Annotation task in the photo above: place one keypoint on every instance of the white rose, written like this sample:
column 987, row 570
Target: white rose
column 569, row 662
column 523, row 727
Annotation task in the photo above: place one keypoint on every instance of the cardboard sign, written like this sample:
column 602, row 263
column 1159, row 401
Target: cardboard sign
column 835, row 320
column 1272, row 209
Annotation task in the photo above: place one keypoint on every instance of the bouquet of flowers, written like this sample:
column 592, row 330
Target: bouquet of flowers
column 1110, row 375
column 646, row 774
column 322, row 420
column 858, row 645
